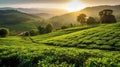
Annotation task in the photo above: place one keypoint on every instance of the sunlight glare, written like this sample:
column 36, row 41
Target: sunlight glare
column 74, row 5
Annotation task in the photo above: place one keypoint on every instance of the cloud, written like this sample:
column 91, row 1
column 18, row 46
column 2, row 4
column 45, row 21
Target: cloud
column 31, row 1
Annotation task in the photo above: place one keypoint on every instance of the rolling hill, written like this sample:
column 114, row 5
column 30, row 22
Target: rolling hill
column 105, row 36
column 18, row 21
column 42, row 12
column 14, row 16
column 59, row 21
column 72, row 47
column 16, row 52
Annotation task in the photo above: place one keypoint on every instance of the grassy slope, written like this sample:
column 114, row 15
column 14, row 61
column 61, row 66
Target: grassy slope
column 20, row 51
column 15, row 52
column 106, row 36
column 62, row 32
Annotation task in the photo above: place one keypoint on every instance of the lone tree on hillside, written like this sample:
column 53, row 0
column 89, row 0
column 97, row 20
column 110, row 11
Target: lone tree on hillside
column 106, row 16
column 82, row 19
column 91, row 20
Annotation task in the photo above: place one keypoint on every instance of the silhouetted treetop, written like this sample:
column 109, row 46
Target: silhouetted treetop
column 106, row 16
column 91, row 20
column 82, row 18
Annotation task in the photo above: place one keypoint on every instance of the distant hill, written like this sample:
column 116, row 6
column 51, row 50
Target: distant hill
column 14, row 16
column 45, row 12
column 69, row 18
column 45, row 15
column 17, row 21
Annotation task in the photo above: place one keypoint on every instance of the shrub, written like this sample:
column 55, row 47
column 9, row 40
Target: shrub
column 32, row 32
column 101, row 62
column 117, row 44
column 91, row 20
column 4, row 32
column 27, row 33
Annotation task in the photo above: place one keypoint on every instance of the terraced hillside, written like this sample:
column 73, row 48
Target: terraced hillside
column 22, row 52
column 105, row 36
column 17, row 52
column 40, row 38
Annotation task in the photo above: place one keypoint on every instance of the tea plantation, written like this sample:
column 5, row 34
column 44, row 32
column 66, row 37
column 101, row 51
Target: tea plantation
column 105, row 37
column 58, row 49
column 15, row 52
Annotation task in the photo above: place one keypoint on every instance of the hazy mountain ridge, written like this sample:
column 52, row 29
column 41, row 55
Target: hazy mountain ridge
column 69, row 18
column 45, row 15
column 57, row 21
column 44, row 12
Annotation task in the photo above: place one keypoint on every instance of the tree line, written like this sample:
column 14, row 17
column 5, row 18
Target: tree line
column 106, row 16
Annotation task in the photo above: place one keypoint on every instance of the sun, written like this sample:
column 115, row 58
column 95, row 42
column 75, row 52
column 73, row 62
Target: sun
column 74, row 5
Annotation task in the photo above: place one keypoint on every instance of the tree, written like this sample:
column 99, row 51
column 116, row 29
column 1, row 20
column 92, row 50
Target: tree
column 32, row 32
column 27, row 33
column 106, row 16
column 91, row 20
column 4, row 32
column 41, row 30
column 49, row 28
column 82, row 19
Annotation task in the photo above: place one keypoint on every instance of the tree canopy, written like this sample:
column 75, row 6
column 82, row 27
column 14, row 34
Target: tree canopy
column 82, row 19
column 106, row 16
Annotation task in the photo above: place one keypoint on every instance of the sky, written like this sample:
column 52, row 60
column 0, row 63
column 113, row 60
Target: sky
column 70, row 5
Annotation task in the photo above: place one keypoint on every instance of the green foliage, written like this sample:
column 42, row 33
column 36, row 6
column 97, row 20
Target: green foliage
column 101, row 62
column 44, row 30
column 18, row 21
column 33, row 32
column 41, row 30
column 26, row 34
column 14, row 17
column 82, row 19
column 106, row 16
column 91, row 20
column 15, row 52
column 104, row 37
column 62, row 32
column 4, row 32
column 49, row 28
